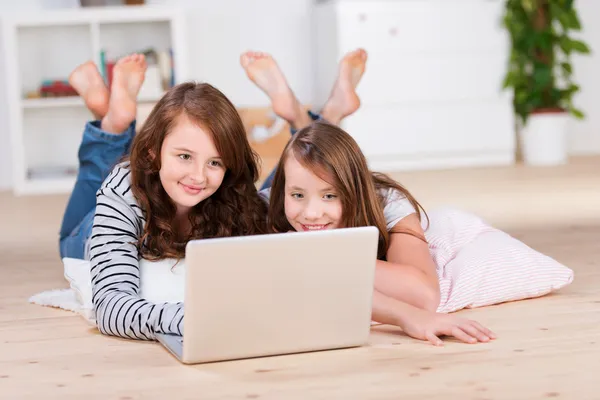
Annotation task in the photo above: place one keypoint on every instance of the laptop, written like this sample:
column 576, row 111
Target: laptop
column 276, row 294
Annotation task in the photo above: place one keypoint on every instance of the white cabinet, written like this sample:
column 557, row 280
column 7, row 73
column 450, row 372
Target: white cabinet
column 431, row 95
column 46, row 131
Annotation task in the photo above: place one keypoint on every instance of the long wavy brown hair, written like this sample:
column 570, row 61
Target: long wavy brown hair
column 235, row 209
column 334, row 156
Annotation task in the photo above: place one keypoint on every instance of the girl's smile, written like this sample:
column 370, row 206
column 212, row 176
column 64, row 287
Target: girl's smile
column 313, row 227
column 191, row 189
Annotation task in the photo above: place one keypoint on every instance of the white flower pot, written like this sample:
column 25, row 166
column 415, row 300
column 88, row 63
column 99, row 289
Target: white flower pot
column 544, row 139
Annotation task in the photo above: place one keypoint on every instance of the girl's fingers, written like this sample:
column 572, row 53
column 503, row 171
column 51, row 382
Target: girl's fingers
column 475, row 332
column 433, row 339
column 460, row 334
column 483, row 329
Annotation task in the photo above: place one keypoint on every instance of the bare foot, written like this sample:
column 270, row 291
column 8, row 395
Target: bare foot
column 128, row 77
column 344, row 100
column 88, row 82
column 262, row 69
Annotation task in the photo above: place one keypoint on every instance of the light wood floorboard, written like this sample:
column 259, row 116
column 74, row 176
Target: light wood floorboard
column 547, row 348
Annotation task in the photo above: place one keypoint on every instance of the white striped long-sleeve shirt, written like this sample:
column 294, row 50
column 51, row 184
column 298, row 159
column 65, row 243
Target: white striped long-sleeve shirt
column 118, row 223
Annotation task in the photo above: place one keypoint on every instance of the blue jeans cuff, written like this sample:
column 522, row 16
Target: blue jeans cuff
column 94, row 129
column 313, row 116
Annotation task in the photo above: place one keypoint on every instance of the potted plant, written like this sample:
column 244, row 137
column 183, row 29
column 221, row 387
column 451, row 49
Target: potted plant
column 540, row 74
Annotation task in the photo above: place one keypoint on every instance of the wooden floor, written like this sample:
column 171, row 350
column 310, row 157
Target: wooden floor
column 546, row 348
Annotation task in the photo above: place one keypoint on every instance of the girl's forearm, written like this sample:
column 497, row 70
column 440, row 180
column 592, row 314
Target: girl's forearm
column 407, row 284
column 389, row 311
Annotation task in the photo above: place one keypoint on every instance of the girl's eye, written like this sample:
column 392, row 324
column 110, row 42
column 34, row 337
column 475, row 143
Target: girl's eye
column 297, row 196
column 214, row 163
column 185, row 157
column 330, row 196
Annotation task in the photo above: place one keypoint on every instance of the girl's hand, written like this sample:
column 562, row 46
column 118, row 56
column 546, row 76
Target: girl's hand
column 426, row 325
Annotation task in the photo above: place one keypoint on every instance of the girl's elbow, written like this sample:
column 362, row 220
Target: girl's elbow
column 431, row 299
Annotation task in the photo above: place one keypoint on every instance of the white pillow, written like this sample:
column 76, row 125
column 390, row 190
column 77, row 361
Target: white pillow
column 160, row 281
column 479, row 265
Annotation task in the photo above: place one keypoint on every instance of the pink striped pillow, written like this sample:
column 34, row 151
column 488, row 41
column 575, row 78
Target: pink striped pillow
column 479, row 265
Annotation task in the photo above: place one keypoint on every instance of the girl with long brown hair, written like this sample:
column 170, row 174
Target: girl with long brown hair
column 322, row 181
column 188, row 174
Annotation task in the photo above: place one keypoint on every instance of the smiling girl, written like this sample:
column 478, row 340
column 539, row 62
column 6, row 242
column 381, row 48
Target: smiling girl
column 190, row 174
column 322, row 181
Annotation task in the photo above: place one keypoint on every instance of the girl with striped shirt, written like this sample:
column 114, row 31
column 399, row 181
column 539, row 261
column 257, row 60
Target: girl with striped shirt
column 189, row 173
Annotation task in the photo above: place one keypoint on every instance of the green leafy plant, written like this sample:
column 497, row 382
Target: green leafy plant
column 539, row 68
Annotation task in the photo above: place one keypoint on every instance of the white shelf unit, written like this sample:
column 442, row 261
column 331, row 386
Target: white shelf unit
column 46, row 132
column 431, row 95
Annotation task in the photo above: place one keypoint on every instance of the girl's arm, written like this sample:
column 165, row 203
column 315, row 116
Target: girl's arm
column 115, row 268
column 409, row 274
column 426, row 325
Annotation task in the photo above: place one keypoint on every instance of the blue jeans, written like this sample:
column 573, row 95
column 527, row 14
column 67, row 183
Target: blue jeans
column 269, row 181
column 99, row 152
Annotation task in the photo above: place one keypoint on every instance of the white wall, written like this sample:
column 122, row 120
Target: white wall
column 585, row 135
column 5, row 154
column 219, row 33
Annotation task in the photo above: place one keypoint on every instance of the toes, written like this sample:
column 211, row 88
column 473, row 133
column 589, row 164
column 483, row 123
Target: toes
column 128, row 58
column 245, row 59
column 125, row 59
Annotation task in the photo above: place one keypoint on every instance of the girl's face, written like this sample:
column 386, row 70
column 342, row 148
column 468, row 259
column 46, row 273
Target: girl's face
column 310, row 202
column 191, row 167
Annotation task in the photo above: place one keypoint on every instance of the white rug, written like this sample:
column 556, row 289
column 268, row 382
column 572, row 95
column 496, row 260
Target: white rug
column 65, row 299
